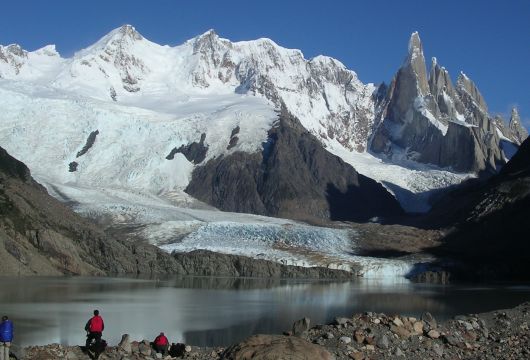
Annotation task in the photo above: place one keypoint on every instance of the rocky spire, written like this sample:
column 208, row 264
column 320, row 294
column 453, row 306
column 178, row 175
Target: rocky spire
column 517, row 130
column 439, row 79
column 415, row 62
column 467, row 88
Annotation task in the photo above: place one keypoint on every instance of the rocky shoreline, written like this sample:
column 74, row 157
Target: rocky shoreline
column 501, row 334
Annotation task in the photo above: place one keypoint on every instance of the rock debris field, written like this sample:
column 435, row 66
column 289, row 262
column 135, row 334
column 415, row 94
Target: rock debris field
column 501, row 334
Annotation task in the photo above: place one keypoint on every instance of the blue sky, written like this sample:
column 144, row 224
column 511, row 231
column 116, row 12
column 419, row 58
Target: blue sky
column 488, row 40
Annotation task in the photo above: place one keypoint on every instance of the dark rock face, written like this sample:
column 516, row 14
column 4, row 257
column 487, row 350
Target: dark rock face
column 72, row 167
column 233, row 138
column 89, row 142
column 431, row 121
column 491, row 233
column 194, row 152
column 294, row 177
column 11, row 167
column 207, row 263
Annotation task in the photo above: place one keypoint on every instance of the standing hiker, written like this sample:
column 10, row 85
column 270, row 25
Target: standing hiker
column 6, row 336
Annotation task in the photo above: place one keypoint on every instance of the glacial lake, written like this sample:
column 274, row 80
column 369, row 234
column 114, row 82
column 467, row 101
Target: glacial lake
column 220, row 311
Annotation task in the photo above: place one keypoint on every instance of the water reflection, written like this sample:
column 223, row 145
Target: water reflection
column 219, row 311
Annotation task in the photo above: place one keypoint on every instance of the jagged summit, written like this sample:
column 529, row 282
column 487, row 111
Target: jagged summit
column 415, row 45
column 517, row 130
column 433, row 122
column 126, row 31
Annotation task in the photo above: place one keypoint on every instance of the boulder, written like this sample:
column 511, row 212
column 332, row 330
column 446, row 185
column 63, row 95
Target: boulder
column 428, row 320
column 145, row 348
column 342, row 321
column 268, row 347
column 433, row 334
column 301, row 326
column 125, row 344
column 345, row 339
column 383, row 342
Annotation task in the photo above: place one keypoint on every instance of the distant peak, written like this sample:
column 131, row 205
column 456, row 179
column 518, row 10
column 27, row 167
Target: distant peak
column 210, row 34
column 434, row 61
column 515, row 115
column 463, row 76
column 129, row 31
column 415, row 54
column 415, row 43
column 48, row 50
column 14, row 49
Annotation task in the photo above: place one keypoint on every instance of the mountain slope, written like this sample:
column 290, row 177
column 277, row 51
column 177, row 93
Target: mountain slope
column 293, row 177
column 491, row 218
column 41, row 236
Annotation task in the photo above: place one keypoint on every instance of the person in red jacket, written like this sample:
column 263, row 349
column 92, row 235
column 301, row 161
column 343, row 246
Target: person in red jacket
column 94, row 328
column 161, row 344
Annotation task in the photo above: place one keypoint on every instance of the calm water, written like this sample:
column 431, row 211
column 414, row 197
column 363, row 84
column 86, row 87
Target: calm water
column 219, row 311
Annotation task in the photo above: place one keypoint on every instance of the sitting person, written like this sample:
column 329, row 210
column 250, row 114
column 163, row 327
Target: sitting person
column 161, row 344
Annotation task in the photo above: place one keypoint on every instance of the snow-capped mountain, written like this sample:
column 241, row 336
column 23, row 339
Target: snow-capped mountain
column 127, row 68
column 131, row 114
column 429, row 120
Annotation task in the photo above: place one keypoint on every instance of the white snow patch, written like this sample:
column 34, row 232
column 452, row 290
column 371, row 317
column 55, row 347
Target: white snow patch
column 410, row 182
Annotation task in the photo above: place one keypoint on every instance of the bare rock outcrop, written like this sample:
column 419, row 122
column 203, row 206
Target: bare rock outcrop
column 293, row 177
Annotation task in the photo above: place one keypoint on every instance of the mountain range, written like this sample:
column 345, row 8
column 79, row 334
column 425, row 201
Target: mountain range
column 152, row 140
column 129, row 113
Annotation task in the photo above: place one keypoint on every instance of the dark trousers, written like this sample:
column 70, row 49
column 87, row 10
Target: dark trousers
column 161, row 348
column 93, row 335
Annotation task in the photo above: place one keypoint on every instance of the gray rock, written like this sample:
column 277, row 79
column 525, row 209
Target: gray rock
column 125, row 344
column 145, row 348
column 429, row 320
column 342, row 321
column 383, row 342
column 301, row 326
column 438, row 350
column 345, row 339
